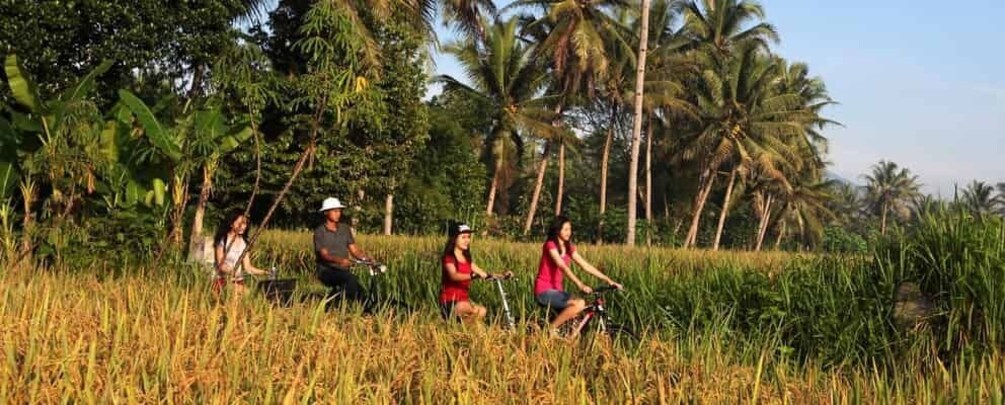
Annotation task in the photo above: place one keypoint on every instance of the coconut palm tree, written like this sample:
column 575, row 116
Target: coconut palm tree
column 717, row 26
column 640, row 78
column 577, row 36
column 1000, row 198
column 574, row 37
column 745, row 120
column 979, row 198
column 889, row 188
column 846, row 204
column 505, row 77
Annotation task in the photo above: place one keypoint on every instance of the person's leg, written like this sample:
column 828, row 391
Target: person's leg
column 240, row 290
column 350, row 284
column 560, row 301
column 469, row 312
column 329, row 278
column 572, row 310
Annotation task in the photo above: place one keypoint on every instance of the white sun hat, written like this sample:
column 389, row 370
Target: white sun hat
column 331, row 203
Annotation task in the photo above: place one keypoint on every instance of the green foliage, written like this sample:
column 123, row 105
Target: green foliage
column 63, row 40
column 958, row 260
column 840, row 240
column 446, row 181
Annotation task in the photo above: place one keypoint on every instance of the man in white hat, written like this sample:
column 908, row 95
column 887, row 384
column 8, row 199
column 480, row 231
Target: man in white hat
column 333, row 243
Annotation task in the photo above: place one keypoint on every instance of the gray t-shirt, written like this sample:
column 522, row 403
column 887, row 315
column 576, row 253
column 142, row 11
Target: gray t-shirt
column 336, row 242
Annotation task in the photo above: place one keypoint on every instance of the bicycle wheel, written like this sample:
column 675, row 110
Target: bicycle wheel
column 622, row 336
column 618, row 336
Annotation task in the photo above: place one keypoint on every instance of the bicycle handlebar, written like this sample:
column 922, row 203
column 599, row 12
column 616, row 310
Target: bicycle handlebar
column 604, row 288
column 493, row 278
column 375, row 267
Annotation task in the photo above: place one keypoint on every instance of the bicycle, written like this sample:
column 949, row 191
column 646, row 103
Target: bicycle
column 596, row 314
column 374, row 300
column 277, row 290
column 507, row 312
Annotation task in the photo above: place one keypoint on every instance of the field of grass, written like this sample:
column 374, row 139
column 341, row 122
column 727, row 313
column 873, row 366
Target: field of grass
column 727, row 327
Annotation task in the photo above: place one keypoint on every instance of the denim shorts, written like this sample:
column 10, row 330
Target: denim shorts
column 553, row 299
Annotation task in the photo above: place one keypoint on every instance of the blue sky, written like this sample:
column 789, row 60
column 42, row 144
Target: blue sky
column 921, row 83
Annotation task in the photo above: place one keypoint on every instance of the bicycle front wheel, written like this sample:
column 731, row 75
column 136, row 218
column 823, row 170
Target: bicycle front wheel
column 615, row 335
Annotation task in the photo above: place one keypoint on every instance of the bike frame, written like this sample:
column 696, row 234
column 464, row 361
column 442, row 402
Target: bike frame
column 510, row 321
column 594, row 311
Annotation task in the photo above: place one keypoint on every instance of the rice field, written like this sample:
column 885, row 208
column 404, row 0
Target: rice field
column 718, row 328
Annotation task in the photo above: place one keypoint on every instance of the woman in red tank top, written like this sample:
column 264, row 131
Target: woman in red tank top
column 458, row 271
column 557, row 257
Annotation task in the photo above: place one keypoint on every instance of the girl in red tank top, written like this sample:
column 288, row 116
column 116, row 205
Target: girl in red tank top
column 557, row 257
column 458, row 271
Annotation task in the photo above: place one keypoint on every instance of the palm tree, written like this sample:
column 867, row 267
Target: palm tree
column 805, row 206
column 889, row 189
column 640, row 77
column 577, row 36
column 846, row 204
column 506, row 78
column 720, row 25
column 574, row 36
column 745, row 120
column 979, row 198
column 714, row 30
column 667, row 46
column 1000, row 198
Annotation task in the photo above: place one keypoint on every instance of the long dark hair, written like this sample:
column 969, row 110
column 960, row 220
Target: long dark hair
column 448, row 249
column 555, row 229
column 220, row 238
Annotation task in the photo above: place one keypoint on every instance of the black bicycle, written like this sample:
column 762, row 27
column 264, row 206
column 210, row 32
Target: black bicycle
column 595, row 322
column 278, row 290
column 375, row 300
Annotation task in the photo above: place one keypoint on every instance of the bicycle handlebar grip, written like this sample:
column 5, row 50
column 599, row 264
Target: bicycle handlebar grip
column 604, row 288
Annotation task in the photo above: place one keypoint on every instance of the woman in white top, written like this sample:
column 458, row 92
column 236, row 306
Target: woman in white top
column 229, row 243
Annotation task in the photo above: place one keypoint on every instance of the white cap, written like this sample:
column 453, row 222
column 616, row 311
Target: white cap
column 331, row 203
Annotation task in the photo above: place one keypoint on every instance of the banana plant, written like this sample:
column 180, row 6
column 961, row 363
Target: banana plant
column 58, row 138
column 50, row 150
column 197, row 141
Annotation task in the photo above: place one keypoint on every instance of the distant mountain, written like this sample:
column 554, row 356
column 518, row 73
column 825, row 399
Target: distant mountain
column 829, row 175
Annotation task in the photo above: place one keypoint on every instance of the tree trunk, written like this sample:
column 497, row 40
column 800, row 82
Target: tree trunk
column 882, row 223
column 561, row 179
column 494, row 187
column 640, row 77
column 197, row 243
column 388, row 213
column 649, row 182
column 725, row 210
column 604, row 162
column 762, row 227
column 28, row 190
column 197, row 77
column 297, row 168
column 258, row 165
column 179, row 199
column 699, row 205
column 543, row 165
column 541, row 168
column 778, row 239
column 492, row 192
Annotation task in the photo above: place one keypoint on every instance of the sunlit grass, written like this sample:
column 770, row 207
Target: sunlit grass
column 719, row 328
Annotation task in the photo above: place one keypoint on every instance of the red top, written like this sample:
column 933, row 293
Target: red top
column 549, row 275
column 454, row 291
